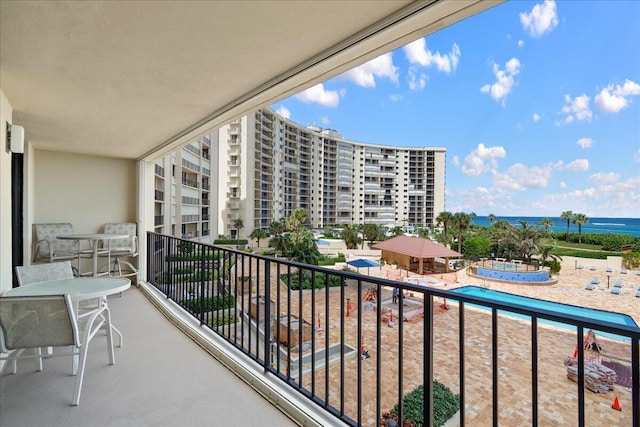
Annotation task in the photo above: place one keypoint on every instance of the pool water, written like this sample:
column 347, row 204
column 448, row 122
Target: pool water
column 574, row 310
column 503, row 265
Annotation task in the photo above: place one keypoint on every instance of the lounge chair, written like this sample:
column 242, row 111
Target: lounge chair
column 595, row 280
column 578, row 266
column 638, row 292
column 593, row 268
column 609, row 270
column 618, row 284
column 616, row 290
column 590, row 286
column 623, row 271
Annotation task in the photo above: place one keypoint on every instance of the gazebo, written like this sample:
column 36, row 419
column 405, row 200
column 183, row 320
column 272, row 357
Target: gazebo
column 417, row 254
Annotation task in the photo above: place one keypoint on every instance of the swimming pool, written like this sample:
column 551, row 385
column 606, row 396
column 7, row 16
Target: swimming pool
column 504, row 265
column 556, row 307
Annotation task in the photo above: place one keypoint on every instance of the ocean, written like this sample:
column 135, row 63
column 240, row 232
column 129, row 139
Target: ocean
column 630, row 226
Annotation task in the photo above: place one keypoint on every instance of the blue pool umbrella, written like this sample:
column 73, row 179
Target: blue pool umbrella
column 363, row 262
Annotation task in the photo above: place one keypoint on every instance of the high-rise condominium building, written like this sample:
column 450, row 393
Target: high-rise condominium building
column 262, row 167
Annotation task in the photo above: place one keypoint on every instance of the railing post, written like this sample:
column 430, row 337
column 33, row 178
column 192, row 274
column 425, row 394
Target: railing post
column 267, row 315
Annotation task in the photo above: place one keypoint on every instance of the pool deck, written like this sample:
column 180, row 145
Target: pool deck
column 557, row 395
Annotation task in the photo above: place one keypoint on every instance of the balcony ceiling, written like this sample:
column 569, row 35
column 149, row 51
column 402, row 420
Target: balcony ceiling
column 137, row 79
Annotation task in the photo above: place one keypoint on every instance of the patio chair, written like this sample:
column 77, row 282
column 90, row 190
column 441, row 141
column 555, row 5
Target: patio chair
column 48, row 248
column 595, row 280
column 590, row 286
column 36, row 322
column 638, row 292
column 121, row 248
column 28, row 274
column 616, row 290
column 37, row 273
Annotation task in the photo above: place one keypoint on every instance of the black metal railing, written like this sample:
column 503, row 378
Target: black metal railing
column 340, row 344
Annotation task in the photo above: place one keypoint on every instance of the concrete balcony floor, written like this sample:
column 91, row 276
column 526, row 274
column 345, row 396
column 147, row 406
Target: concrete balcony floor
column 161, row 377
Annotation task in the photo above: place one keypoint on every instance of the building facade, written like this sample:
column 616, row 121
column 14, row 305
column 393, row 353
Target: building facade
column 262, row 167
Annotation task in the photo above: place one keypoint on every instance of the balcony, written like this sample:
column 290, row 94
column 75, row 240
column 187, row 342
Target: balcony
column 483, row 355
column 138, row 388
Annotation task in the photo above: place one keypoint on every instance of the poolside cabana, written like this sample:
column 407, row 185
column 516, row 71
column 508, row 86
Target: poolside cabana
column 417, row 254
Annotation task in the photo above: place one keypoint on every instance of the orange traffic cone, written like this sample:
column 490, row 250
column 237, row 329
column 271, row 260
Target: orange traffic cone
column 616, row 404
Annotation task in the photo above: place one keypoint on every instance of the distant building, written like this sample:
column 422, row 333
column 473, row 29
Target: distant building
column 264, row 166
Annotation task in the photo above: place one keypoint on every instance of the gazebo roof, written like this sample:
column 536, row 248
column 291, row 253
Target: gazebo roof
column 416, row 247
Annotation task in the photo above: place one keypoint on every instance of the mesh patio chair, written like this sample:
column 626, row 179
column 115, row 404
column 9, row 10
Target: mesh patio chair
column 121, row 248
column 36, row 322
column 37, row 273
column 48, row 248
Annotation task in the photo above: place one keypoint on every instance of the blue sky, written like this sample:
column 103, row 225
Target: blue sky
column 537, row 103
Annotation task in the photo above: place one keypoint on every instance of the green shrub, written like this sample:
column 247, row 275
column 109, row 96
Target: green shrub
column 225, row 319
column 218, row 302
column 631, row 260
column 445, row 405
column 295, row 280
column 233, row 242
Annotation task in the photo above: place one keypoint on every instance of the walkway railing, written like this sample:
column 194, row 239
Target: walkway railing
column 334, row 337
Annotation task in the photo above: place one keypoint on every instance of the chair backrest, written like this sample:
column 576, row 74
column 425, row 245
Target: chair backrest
column 130, row 244
column 49, row 232
column 36, row 273
column 37, row 321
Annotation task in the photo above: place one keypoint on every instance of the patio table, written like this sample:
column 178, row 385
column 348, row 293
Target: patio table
column 94, row 239
column 79, row 289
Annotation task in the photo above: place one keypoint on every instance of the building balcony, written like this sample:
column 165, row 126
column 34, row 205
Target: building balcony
column 158, row 371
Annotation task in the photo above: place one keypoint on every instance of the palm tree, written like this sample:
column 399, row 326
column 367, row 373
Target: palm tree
column 460, row 222
column 444, row 218
column 568, row 215
column 238, row 225
column 370, row 232
column 546, row 223
column 492, row 218
column 545, row 253
column 580, row 219
column 350, row 237
column 259, row 234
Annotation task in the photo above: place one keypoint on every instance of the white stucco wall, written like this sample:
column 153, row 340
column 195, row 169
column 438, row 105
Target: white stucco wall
column 87, row 191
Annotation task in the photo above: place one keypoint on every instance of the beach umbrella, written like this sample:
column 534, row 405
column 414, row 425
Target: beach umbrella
column 363, row 262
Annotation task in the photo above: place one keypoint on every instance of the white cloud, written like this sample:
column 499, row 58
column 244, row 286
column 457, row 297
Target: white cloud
column 395, row 97
column 520, row 177
column 604, row 178
column 585, row 142
column 325, row 120
column 536, row 117
column 418, row 53
column 562, row 185
column 416, row 79
column 578, row 165
column 577, row 108
column 612, row 100
column 542, row 18
column 380, row 67
column 317, row 94
column 520, row 43
column 284, row 112
column 455, row 161
column 504, row 80
column 482, row 159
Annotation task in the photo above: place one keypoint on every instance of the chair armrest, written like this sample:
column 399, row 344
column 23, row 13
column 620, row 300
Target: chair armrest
column 39, row 247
